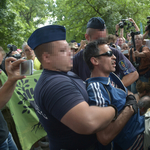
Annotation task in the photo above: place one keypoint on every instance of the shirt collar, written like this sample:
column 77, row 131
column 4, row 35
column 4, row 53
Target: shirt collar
column 103, row 80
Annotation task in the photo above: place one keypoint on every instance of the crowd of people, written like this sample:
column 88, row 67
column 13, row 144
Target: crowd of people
column 90, row 96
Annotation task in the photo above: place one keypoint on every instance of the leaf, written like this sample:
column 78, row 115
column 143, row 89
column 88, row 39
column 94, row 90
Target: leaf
column 19, row 93
column 24, row 111
column 26, row 81
column 35, row 80
column 27, row 85
column 28, row 111
column 21, row 102
column 25, row 107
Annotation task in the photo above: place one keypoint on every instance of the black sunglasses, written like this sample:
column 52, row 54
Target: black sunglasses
column 108, row 53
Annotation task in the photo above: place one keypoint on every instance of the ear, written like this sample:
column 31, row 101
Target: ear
column 94, row 61
column 143, row 111
column 46, row 57
column 87, row 37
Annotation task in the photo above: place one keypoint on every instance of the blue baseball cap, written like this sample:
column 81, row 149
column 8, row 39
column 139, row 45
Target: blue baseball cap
column 96, row 23
column 46, row 34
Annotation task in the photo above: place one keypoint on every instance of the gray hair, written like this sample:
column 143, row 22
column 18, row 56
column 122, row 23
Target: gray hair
column 23, row 46
column 140, row 35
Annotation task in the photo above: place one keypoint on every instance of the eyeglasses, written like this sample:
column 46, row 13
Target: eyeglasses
column 108, row 53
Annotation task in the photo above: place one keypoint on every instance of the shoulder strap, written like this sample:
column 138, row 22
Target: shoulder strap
column 139, row 58
column 104, row 87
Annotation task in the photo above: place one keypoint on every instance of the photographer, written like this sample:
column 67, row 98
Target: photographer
column 6, row 91
column 121, row 25
column 12, row 53
column 2, row 54
column 140, row 59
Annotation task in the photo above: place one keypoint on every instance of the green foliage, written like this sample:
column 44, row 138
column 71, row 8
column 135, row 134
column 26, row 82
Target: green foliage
column 75, row 14
column 19, row 18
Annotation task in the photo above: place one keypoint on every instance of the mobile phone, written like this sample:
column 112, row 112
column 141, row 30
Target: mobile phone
column 26, row 68
column 125, row 52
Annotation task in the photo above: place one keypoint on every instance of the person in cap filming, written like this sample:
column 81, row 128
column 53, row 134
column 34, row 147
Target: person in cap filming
column 6, row 91
column 61, row 100
column 95, row 29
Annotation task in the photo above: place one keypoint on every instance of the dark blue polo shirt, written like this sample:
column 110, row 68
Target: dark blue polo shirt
column 55, row 94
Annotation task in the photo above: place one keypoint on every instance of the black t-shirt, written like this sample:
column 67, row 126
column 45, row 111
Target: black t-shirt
column 55, row 94
column 3, row 129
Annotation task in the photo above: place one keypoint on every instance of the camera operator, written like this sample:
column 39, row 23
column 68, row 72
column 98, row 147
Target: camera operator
column 141, row 60
column 131, row 23
column 6, row 91
column 12, row 53
column 2, row 54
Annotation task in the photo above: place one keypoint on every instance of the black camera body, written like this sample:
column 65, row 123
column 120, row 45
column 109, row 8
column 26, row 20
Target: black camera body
column 12, row 48
column 148, row 24
column 122, row 23
column 125, row 22
column 17, row 56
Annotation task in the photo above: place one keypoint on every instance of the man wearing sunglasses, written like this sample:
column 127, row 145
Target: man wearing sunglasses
column 96, row 29
column 125, row 131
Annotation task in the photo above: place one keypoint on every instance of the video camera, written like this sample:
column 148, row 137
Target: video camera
column 148, row 25
column 11, row 49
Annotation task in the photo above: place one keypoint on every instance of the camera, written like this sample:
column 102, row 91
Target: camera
column 125, row 22
column 11, row 49
column 148, row 24
column 122, row 23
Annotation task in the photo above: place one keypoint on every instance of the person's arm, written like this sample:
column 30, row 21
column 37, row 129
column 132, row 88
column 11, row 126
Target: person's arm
column 116, row 32
column 145, row 34
column 85, row 119
column 135, row 25
column 121, row 35
column 12, row 69
column 82, row 46
column 130, row 78
column 145, row 52
column 108, row 134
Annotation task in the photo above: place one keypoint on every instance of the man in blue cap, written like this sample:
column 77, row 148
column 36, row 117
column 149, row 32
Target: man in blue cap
column 61, row 97
column 96, row 29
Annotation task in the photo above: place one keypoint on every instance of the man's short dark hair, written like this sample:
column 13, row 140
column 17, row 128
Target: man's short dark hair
column 144, row 102
column 91, row 50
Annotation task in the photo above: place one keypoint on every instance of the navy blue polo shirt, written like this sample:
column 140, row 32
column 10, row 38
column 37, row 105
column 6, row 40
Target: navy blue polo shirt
column 55, row 94
column 123, row 65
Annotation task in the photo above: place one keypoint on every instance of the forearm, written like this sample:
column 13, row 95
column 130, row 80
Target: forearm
column 141, row 54
column 145, row 34
column 6, row 92
column 85, row 119
column 130, row 78
column 108, row 134
column 136, row 27
column 121, row 33
column 100, row 121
